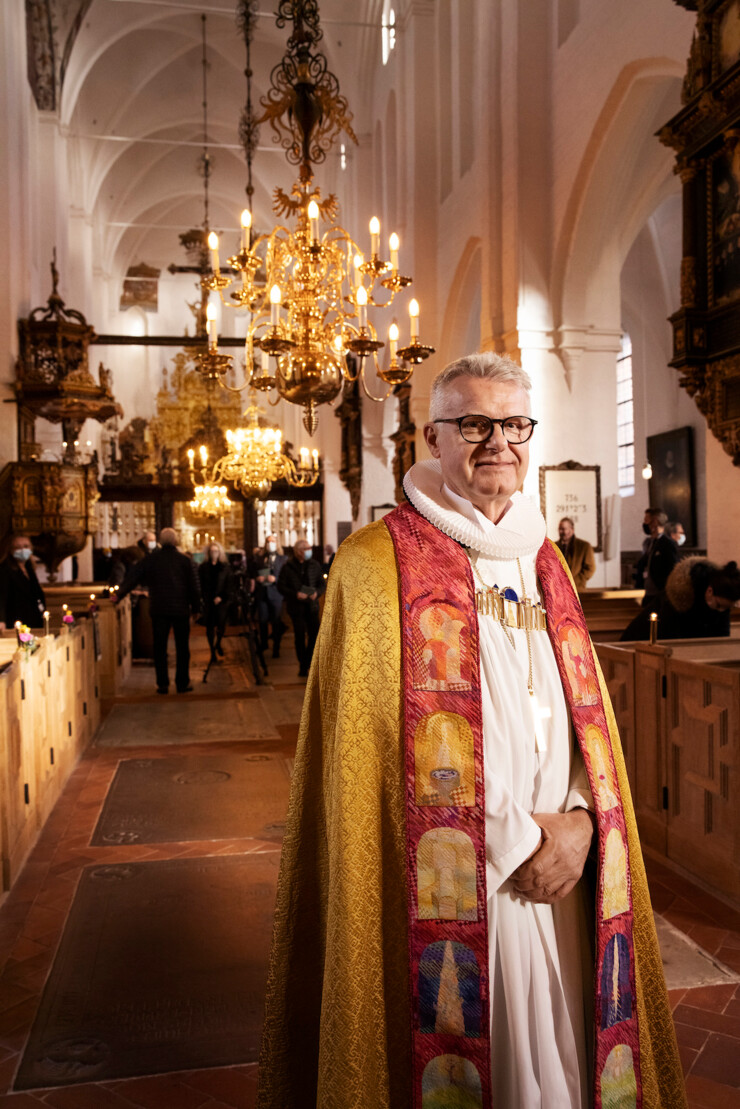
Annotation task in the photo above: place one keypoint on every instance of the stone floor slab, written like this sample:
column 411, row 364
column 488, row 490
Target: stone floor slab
column 179, row 719
column 153, row 973
column 195, row 798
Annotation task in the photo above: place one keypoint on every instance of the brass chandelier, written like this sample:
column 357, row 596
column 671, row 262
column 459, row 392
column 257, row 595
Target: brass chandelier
column 306, row 284
column 256, row 457
column 209, row 500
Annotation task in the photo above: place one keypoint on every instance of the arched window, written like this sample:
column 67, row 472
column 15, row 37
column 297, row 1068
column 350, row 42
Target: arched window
column 625, row 420
column 388, row 30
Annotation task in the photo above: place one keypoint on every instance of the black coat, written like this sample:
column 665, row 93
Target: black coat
column 215, row 581
column 21, row 596
column 171, row 580
column 301, row 577
column 660, row 558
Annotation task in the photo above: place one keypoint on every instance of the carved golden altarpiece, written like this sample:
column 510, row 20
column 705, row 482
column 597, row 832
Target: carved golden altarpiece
column 705, row 135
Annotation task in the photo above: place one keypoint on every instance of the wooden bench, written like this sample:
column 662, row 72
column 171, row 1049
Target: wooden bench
column 677, row 705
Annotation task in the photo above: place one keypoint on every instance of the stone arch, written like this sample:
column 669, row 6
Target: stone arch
column 624, row 174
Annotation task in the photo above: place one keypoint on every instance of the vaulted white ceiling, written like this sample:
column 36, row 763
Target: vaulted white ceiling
column 131, row 105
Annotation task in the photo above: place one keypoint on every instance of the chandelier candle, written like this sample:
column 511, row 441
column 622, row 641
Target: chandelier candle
column 414, row 319
column 361, row 301
column 393, row 340
column 211, row 329
column 275, row 305
column 313, row 219
column 246, row 221
column 394, row 244
column 374, row 236
column 213, row 245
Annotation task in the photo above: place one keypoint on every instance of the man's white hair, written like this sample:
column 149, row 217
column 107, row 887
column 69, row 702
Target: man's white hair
column 486, row 364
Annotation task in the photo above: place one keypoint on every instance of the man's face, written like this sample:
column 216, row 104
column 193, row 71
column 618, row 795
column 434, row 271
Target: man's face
column 480, row 472
column 565, row 531
column 678, row 531
column 299, row 548
column 656, row 528
column 150, row 537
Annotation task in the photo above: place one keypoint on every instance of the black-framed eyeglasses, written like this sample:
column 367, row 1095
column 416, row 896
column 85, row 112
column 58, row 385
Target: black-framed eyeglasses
column 479, row 429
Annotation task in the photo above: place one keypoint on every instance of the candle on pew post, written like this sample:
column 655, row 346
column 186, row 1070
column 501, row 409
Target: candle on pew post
column 653, row 627
column 46, row 621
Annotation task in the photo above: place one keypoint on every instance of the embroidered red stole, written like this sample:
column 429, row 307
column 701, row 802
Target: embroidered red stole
column 445, row 826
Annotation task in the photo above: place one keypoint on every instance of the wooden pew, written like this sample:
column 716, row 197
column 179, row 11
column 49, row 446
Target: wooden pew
column 678, row 707
column 49, row 712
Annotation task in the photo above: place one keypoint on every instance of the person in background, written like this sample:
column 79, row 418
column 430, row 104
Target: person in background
column 659, row 558
column 174, row 593
column 147, row 543
column 21, row 595
column 675, row 532
column 216, row 586
column 269, row 597
column 578, row 553
column 328, row 557
column 301, row 583
column 698, row 599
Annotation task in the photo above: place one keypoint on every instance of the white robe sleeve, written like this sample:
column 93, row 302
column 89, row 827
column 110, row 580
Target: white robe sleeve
column 579, row 790
column 511, row 833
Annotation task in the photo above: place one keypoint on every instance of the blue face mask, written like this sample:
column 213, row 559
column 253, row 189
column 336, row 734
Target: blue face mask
column 22, row 554
column 308, row 553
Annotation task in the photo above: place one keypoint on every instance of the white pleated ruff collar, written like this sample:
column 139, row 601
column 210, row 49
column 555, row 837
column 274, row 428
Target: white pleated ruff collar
column 520, row 533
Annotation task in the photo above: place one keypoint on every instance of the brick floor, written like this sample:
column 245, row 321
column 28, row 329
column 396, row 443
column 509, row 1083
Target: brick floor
column 32, row 918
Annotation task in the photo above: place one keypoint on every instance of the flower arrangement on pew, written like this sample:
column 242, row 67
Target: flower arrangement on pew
column 26, row 639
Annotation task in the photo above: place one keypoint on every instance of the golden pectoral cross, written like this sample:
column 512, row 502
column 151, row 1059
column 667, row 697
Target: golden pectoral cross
column 539, row 714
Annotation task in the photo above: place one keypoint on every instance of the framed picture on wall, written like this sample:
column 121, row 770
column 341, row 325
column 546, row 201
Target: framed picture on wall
column 571, row 489
column 378, row 511
column 671, row 456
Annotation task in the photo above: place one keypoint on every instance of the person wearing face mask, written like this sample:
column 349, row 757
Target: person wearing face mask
column 21, row 596
column 301, row 583
column 270, row 599
column 675, row 532
column 147, row 543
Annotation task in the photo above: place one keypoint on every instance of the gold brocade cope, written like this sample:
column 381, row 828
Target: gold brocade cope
column 337, row 1027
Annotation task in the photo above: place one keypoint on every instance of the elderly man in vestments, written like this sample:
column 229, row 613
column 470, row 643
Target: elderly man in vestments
column 463, row 920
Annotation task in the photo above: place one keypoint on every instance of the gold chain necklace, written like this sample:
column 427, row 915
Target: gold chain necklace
column 517, row 614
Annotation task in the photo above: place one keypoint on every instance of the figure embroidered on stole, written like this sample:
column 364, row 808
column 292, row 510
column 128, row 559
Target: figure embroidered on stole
column 450, row 1082
column 614, row 875
column 441, row 648
column 618, row 1081
column 444, row 755
column 615, row 992
column 449, row 989
column 602, row 767
column 446, row 876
